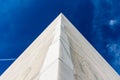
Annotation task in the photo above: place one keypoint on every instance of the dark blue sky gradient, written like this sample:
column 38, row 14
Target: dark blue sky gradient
column 21, row 21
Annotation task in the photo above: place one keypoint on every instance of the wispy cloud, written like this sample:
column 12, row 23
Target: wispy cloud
column 114, row 49
column 9, row 59
column 105, row 30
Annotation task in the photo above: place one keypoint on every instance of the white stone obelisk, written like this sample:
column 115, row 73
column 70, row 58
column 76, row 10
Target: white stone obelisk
column 60, row 53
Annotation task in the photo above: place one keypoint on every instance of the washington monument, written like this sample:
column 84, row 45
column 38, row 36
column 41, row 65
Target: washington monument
column 60, row 52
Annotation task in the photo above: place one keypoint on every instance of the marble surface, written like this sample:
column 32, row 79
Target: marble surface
column 60, row 53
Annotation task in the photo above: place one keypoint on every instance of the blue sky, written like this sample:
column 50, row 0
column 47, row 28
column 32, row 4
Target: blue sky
column 21, row 21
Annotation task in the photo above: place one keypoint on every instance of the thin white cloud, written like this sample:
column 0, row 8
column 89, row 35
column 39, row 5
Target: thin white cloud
column 9, row 59
column 114, row 49
column 114, row 46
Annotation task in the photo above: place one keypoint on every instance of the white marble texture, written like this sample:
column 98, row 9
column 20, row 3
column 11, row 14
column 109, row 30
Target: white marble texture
column 60, row 53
